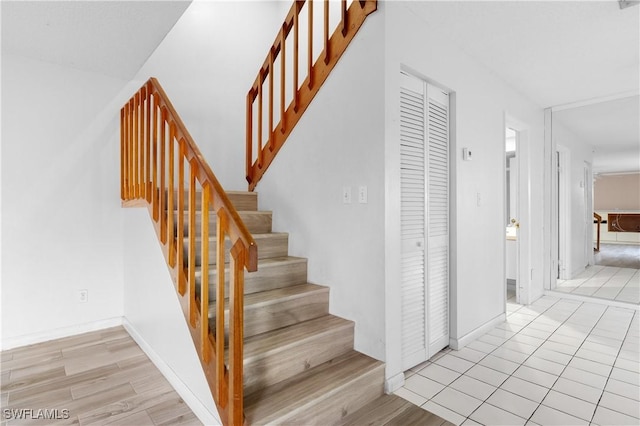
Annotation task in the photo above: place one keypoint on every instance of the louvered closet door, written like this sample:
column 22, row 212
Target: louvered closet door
column 424, row 219
column 437, row 218
column 413, row 215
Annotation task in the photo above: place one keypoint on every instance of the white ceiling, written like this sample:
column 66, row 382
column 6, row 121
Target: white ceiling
column 558, row 53
column 110, row 37
column 554, row 52
column 612, row 128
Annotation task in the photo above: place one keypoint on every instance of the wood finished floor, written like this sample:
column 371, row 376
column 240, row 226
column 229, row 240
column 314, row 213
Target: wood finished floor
column 391, row 410
column 101, row 378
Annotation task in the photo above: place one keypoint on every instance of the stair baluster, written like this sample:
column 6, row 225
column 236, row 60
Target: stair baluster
column 151, row 133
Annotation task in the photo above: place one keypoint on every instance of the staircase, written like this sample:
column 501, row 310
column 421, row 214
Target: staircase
column 269, row 349
column 299, row 362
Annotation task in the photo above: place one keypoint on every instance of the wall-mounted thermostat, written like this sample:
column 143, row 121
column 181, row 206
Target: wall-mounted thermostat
column 466, row 154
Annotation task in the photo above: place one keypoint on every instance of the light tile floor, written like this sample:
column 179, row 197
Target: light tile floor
column 605, row 282
column 554, row 362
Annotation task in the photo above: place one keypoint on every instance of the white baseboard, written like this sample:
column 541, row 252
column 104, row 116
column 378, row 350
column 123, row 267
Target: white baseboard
column 463, row 341
column 394, row 383
column 197, row 406
column 589, row 299
column 59, row 333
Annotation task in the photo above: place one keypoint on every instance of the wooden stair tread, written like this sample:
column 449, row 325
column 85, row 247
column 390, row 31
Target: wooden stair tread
column 260, row 236
column 272, row 244
column 274, row 309
column 264, row 298
column 241, row 200
column 280, row 340
column 240, row 212
column 286, row 400
column 269, row 262
column 272, row 273
column 256, row 221
column 392, row 410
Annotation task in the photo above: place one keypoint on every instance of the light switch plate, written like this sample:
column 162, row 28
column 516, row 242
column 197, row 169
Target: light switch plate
column 362, row 194
column 346, row 195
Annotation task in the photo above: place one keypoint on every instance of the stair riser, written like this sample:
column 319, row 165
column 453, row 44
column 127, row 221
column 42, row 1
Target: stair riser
column 349, row 399
column 242, row 201
column 256, row 222
column 267, row 278
column 277, row 246
column 273, row 316
column 286, row 363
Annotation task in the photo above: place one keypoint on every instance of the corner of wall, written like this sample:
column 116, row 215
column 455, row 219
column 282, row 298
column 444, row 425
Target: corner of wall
column 200, row 409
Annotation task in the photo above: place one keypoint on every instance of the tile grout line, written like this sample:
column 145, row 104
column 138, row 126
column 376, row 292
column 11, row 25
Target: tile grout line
column 572, row 312
column 565, row 367
column 508, row 375
column 530, row 355
column 612, row 367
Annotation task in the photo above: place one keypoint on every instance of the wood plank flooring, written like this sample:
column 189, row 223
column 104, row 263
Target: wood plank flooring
column 101, row 378
column 391, row 410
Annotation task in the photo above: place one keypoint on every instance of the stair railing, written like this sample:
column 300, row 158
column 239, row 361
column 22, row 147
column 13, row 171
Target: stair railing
column 158, row 158
column 270, row 138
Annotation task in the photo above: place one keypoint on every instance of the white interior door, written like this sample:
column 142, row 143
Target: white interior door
column 424, row 159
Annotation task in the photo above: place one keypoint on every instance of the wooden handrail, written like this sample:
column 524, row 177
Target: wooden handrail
column 154, row 140
column 351, row 19
column 598, row 218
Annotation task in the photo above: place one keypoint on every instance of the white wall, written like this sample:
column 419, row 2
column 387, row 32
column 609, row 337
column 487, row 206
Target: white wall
column 481, row 101
column 579, row 152
column 61, row 208
column 206, row 64
column 154, row 317
column 339, row 142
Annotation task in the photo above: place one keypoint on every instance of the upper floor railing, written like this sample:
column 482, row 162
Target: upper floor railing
column 160, row 167
column 277, row 87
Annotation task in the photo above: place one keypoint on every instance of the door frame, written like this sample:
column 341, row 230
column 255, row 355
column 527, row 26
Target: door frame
column 561, row 192
column 523, row 241
column 588, row 213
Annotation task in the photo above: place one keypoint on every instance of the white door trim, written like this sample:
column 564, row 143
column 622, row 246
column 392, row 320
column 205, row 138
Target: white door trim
column 561, row 192
column 588, row 213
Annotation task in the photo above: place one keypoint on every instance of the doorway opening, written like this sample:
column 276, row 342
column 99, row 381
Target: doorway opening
column 517, row 213
column 511, row 214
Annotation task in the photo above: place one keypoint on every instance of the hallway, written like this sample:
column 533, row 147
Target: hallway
column 556, row 361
